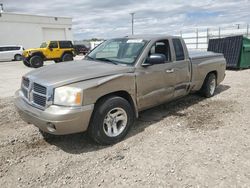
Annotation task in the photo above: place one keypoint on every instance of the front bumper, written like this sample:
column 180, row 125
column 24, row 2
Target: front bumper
column 56, row 120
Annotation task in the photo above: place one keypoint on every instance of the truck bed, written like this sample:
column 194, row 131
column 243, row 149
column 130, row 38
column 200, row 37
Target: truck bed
column 198, row 54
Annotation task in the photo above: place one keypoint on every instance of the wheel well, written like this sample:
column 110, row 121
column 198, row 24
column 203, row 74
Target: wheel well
column 123, row 94
column 214, row 72
column 67, row 52
column 38, row 54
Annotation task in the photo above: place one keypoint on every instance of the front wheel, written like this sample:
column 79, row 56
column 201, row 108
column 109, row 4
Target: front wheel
column 36, row 61
column 46, row 136
column 26, row 63
column 111, row 120
column 209, row 85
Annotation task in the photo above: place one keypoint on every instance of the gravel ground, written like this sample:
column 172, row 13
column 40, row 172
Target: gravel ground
column 192, row 142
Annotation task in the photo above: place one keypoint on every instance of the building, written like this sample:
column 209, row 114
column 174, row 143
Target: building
column 31, row 30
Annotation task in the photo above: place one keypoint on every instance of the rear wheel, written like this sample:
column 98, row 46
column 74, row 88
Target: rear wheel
column 111, row 120
column 17, row 57
column 209, row 85
column 67, row 57
column 36, row 61
column 57, row 61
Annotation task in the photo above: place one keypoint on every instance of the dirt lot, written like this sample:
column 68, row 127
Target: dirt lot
column 193, row 142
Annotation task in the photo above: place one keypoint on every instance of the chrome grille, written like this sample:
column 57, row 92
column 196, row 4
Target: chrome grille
column 39, row 89
column 40, row 100
column 34, row 93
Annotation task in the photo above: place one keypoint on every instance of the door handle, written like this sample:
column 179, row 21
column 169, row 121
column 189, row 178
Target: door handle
column 169, row 70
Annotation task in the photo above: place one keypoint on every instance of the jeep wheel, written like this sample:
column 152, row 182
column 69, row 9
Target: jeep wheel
column 57, row 61
column 36, row 61
column 67, row 57
column 26, row 63
column 17, row 57
column 111, row 120
column 209, row 85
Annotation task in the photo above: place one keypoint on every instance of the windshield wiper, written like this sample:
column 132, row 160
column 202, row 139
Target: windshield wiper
column 106, row 60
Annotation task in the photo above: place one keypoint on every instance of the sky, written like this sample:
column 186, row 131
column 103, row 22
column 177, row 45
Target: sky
column 111, row 18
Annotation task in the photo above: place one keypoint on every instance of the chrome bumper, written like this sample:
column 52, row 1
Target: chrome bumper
column 56, row 120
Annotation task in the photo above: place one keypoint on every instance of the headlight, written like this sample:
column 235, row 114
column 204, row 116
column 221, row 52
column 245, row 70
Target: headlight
column 68, row 96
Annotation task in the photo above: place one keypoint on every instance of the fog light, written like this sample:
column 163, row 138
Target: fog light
column 51, row 127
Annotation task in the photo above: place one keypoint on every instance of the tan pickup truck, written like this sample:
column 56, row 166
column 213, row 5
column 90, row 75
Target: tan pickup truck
column 104, row 93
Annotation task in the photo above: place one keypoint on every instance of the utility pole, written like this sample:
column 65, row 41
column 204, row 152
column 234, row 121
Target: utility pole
column 132, row 21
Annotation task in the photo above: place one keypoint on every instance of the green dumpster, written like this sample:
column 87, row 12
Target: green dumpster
column 245, row 54
column 236, row 50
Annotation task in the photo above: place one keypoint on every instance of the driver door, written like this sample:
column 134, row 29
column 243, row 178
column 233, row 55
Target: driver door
column 155, row 83
column 53, row 50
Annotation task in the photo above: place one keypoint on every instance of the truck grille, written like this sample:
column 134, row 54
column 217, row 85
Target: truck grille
column 39, row 89
column 34, row 93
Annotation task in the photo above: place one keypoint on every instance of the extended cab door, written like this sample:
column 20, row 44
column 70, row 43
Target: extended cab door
column 155, row 83
column 182, row 68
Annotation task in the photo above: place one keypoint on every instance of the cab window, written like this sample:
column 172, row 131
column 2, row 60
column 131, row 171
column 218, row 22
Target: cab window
column 179, row 52
column 53, row 44
column 161, row 47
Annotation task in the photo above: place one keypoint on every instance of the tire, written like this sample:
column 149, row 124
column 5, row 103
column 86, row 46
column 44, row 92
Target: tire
column 209, row 85
column 57, row 61
column 36, row 61
column 18, row 57
column 46, row 136
column 102, row 126
column 67, row 57
column 26, row 63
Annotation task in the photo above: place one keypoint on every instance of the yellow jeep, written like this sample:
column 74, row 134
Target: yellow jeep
column 53, row 50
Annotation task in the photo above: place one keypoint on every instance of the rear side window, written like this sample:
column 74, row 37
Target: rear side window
column 9, row 48
column 14, row 48
column 65, row 44
column 53, row 44
column 179, row 52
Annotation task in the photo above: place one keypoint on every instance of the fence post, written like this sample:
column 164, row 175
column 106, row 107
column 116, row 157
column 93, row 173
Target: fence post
column 207, row 36
column 197, row 38
column 219, row 32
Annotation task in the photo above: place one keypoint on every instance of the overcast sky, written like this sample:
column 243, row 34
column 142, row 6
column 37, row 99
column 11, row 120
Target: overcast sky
column 110, row 18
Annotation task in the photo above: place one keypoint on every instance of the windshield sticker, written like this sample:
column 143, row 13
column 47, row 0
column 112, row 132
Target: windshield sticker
column 134, row 41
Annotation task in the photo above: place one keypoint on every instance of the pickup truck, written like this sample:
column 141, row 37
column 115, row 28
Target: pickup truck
column 104, row 92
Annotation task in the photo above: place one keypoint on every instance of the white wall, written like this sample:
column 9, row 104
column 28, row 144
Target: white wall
column 30, row 30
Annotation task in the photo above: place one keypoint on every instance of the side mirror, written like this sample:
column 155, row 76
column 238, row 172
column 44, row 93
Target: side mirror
column 155, row 59
column 51, row 49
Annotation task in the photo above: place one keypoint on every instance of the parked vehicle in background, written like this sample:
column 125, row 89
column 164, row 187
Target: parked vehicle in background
column 81, row 49
column 104, row 93
column 11, row 52
column 53, row 50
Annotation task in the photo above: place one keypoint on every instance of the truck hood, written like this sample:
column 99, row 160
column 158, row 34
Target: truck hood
column 70, row 72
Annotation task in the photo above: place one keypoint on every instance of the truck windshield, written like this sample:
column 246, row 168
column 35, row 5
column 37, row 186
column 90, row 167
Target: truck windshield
column 44, row 45
column 124, row 51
